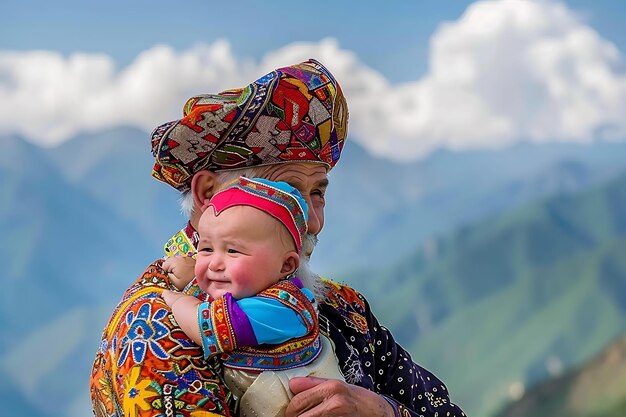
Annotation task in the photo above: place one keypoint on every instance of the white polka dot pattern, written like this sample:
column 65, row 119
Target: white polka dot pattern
column 409, row 388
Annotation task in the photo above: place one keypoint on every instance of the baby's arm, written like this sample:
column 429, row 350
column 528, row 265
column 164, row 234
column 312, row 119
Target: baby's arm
column 275, row 314
column 180, row 270
column 229, row 323
column 185, row 310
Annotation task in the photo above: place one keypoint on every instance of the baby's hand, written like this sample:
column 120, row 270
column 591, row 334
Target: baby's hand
column 185, row 310
column 180, row 270
column 171, row 297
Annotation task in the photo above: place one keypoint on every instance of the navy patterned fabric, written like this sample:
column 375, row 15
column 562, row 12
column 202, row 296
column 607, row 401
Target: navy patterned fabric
column 370, row 357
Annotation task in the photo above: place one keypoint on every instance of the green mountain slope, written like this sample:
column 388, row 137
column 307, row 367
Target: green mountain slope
column 597, row 389
column 508, row 302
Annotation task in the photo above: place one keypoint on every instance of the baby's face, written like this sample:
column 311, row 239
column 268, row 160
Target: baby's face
column 240, row 251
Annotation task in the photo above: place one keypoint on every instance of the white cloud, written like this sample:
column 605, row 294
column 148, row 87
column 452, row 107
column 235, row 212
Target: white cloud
column 504, row 71
column 48, row 97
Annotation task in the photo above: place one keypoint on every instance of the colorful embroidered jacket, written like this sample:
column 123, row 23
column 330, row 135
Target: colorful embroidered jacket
column 146, row 365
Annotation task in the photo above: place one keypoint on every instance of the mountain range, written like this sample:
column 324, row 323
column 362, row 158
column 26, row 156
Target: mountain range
column 596, row 389
column 459, row 244
column 504, row 303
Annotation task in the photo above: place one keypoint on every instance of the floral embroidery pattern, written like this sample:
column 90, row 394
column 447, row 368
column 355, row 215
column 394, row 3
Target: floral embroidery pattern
column 144, row 332
column 146, row 366
column 137, row 393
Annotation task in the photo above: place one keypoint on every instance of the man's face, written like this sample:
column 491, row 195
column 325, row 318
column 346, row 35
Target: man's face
column 311, row 180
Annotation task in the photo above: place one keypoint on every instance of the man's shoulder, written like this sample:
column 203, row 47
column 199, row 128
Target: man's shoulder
column 337, row 294
column 153, row 279
column 346, row 308
column 148, row 286
column 142, row 346
column 334, row 287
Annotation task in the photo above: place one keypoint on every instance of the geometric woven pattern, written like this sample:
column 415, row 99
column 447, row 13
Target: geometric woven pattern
column 293, row 114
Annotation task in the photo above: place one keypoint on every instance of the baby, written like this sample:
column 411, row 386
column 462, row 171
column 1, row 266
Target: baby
column 260, row 318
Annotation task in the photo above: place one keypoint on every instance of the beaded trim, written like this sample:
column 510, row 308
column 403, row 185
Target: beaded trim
column 291, row 354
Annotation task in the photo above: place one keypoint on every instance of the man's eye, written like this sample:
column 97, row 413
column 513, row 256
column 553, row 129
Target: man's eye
column 233, row 251
column 321, row 193
column 210, row 250
column 318, row 195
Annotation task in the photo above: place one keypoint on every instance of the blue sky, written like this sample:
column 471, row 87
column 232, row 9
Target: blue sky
column 392, row 38
column 426, row 74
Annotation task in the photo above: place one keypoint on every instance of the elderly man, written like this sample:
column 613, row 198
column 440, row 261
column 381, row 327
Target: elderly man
column 289, row 125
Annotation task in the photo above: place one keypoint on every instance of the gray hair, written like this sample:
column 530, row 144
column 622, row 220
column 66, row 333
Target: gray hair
column 310, row 279
column 223, row 178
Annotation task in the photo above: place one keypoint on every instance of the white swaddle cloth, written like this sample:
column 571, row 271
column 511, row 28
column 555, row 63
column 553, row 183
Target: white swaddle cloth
column 267, row 394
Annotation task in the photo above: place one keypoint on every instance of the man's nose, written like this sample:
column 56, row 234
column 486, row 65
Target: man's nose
column 314, row 224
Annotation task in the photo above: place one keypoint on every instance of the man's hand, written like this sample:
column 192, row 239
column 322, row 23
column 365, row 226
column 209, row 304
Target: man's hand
column 180, row 270
column 330, row 397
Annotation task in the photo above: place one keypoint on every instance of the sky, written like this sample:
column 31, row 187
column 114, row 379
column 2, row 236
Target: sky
column 418, row 75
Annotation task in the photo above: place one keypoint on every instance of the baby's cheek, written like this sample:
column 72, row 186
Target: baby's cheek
column 200, row 275
column 200, row 267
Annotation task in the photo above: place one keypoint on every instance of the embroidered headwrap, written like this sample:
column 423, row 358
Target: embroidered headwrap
column 278, row 199
column 293, row 114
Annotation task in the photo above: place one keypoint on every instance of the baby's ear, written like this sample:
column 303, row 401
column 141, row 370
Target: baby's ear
column 290, row 263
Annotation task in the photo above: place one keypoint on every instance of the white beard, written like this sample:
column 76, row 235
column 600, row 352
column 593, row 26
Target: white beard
column 310, row 279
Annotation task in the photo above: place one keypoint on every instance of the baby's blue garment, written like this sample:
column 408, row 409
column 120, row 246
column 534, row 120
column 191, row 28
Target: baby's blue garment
column 272, row 322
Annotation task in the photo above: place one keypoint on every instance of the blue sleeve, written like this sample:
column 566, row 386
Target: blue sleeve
column 273, row 322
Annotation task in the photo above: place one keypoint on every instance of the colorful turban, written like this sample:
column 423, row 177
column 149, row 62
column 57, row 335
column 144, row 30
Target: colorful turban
column 293, row 114
column 278, row 199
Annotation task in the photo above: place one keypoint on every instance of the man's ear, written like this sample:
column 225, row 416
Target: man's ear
column 203, row 186
column 290, row 263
